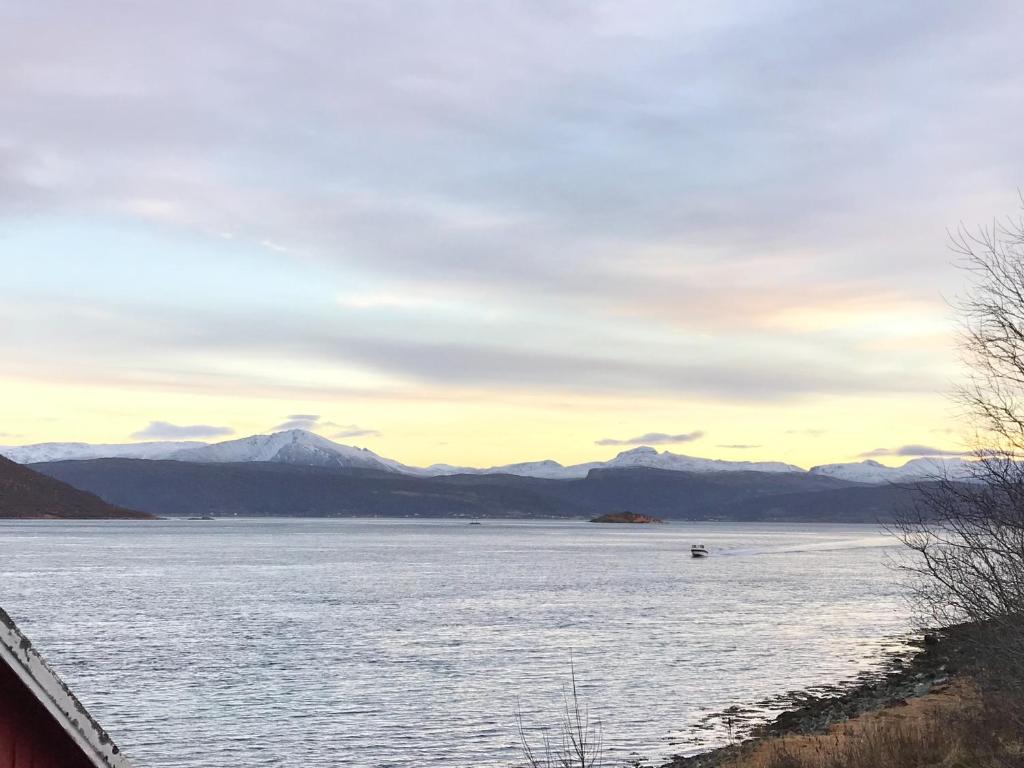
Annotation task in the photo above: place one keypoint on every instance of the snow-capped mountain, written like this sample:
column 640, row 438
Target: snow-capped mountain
column 635, row 457
column 875, row 473
column 649, row 457
column 31, row 454
column 294, row 446
column 547, row 469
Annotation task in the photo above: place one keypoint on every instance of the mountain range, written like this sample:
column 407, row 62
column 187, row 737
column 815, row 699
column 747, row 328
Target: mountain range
column 173, row 488
column 299, row 473
column 303, row 448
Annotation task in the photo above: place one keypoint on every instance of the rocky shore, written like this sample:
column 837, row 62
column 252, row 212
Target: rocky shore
column 928, row 665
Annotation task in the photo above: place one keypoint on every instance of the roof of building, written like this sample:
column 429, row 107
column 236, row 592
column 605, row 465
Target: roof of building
column 16, row 652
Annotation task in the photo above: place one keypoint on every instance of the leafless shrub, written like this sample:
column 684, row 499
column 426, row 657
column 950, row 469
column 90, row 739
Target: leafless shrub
column 967, row 538
column 578, row 741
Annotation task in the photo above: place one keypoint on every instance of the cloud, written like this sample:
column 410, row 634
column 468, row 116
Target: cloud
column 807, row 432
column 311, row 421
column 653, row 438
column 163, row 430
column 353, row 430
column 646, row 180
column 300, row 421
column 913, row 450
column 415, row 356
column 740, row 446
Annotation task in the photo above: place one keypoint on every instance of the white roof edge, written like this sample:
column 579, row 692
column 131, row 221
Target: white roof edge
column 17, row 652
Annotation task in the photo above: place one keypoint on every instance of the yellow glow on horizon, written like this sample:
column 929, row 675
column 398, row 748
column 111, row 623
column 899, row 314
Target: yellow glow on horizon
column 485, row 429
column 896, row 321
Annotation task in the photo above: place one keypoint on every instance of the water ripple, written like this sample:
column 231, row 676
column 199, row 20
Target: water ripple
column 400, row 643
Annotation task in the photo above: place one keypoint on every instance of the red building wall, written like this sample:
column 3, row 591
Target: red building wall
column 29, row 737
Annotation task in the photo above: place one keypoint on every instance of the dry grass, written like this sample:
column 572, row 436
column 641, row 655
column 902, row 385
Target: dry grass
column 952, row 728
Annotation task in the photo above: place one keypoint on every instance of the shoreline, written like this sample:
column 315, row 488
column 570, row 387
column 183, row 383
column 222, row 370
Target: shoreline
column 938, row 661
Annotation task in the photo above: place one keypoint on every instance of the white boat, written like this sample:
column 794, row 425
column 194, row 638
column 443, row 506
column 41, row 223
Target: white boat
column 698, row 550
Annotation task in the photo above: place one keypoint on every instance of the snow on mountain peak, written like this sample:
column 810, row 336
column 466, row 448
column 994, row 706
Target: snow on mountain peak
column 302, row 447
column 545, row 468
column 641, row 456
column 645, row 456
column 642, row 450
column 39, row 452
column 293, row 446
column 875, row 473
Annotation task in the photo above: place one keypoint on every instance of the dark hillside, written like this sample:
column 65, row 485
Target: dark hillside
column 270, row 489
column 857, row 504
column 27, row 494
column 687, row 495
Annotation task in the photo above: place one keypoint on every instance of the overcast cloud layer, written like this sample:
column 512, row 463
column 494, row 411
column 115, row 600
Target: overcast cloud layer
column 734, row 201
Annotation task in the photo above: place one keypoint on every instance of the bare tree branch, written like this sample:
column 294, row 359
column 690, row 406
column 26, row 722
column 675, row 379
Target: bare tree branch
column 966, row 539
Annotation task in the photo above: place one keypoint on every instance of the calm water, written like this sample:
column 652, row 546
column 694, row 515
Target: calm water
column 412, row 643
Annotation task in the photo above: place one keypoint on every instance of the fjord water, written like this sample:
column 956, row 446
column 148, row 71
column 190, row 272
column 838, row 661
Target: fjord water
column 413, row 643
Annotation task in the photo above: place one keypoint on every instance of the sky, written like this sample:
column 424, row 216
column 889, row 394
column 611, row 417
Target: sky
column 484, row 232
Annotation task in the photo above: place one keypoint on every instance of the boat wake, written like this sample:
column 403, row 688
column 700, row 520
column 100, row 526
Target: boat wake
column 825, row 546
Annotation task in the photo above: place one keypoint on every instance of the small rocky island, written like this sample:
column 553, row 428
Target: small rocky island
column 626, row 517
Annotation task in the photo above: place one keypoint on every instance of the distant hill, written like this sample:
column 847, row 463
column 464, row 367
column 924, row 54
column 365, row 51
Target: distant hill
column 682, row 495
column 272, row 489
column 28, row 494
column 860, row 503
column 275, row 489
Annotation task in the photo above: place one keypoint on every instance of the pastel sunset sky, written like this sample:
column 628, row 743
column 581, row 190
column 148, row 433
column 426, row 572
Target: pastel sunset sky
column 484, row 232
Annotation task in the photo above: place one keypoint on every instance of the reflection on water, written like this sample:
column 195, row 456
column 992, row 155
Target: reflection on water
column 412, row 643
